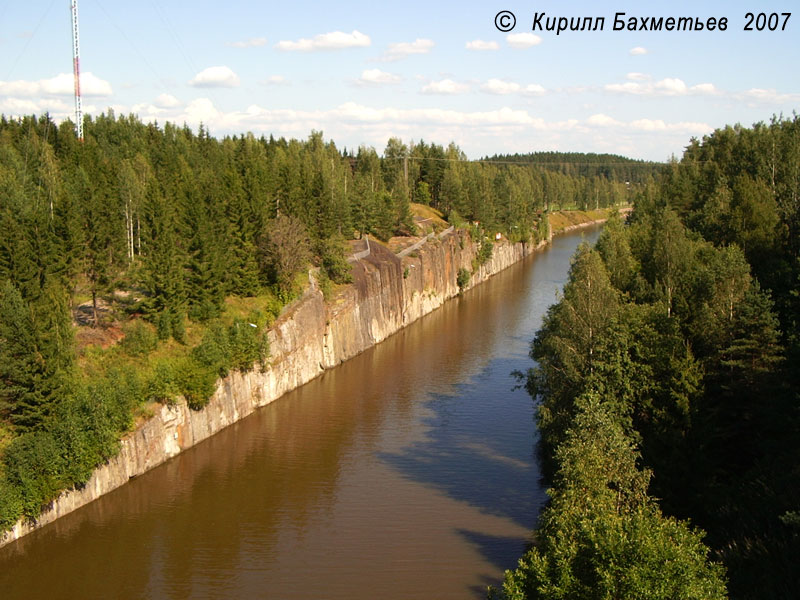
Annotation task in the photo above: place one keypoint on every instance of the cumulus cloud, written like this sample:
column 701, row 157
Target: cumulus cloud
column 704, row 88
column 249, row 43
column 482, row 45
column 501, row 87
column 637, row 51
column 657, row 125
column 523, row 40
column 377, row 77
column 335, row 40
column 648, row 126
column 166, row 101
column 665, row 87
column 62, row 84
column 221, row 76
column 202, row 110
column 767, row 96
column 446, row 87
column 25, row 106
column 601, row 120
column 401, row 50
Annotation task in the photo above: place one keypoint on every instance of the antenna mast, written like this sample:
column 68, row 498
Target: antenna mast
column 76, row 59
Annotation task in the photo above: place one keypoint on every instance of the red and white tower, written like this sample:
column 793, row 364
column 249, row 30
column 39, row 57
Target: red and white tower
column 76, row 68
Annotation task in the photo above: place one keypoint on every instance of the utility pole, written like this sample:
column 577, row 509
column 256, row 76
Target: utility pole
column 76, row 68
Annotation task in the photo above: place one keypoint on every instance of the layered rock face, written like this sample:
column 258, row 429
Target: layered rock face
column 312, row 335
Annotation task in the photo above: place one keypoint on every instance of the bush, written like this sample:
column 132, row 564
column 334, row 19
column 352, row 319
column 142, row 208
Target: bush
column 334, row 259
column 33, row 464
column 140, row 339
column 197, row 382
column 10, row 504
column 462, row 279
column 214, row 352
column 245, row 344
column 163, row 385
column 485, row 252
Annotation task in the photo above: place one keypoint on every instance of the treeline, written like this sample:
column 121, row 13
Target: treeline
column 611, row 167
column 668, row 371
column 190, row 245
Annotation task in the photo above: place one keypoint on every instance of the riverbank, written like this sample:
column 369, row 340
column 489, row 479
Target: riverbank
column 388, row 293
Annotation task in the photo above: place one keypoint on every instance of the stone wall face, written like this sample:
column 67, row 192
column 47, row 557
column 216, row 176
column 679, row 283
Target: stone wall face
column 387, row 294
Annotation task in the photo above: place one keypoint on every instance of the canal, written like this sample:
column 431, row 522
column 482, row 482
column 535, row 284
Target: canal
column 407, row 472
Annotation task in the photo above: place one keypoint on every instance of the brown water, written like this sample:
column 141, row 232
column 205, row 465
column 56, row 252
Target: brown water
column 407, row 472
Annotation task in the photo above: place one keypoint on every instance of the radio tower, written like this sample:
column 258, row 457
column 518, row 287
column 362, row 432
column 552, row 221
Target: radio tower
column 76, row 68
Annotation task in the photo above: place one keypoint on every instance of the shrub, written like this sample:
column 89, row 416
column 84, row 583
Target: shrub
column 214, row 352
column 163, row 385
column 197, row 382
column 245, row 345
column 33, row 464
column 10, row 504
column 485, row 252
column 462, row 278
column 140, row 339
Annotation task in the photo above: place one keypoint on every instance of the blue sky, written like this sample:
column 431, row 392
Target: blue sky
column 440, row 71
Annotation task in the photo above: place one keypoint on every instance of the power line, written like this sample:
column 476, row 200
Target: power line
column 526, row 163
column 27, row 43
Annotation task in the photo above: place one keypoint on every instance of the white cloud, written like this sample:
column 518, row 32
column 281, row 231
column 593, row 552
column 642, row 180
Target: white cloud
column 638, row 77
column 377, row 77
column 482, row 45
column 671, row 87
column 684, row 127
column 534, row 89
column 523, row 40
column 19, row 106
column 167, row 101
column 705, row 89
column 62, row 84
column 649, row 125
column 601, row 120
column 402, row 50
column 249, row 43
column 276, row 80
column 768, row 96
column 637, row 51
column 145, row 111
column 334, row 40
column 666, row 87
column 221, row 76
column 202, row 110
column 369, row 123
column 500, row 87
column 445, row 86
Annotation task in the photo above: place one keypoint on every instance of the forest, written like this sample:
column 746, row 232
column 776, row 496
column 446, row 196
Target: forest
column 143, row 262
column 667, row 388
column 587, row 164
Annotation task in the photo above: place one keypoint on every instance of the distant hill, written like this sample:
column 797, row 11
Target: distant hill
column 587, row 164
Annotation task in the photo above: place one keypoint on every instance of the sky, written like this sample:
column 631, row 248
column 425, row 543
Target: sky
column 362, row 72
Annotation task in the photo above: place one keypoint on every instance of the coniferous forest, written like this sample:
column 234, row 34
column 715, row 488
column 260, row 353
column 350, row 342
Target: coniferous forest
column 668, row 388
column 144, row 262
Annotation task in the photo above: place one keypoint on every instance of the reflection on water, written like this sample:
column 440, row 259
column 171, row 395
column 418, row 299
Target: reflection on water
column 407, row 472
